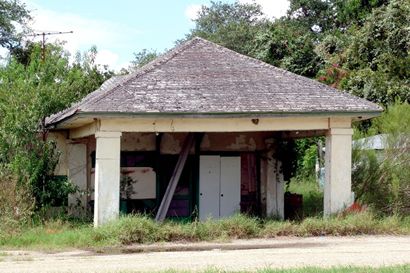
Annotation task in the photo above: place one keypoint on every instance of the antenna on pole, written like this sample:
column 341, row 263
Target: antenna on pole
column 43, row 42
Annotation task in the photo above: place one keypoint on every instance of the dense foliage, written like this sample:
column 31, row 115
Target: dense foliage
column 28, row 93
column 143, row 57
column 381, row 178
column 13, row 17
column 360, row 46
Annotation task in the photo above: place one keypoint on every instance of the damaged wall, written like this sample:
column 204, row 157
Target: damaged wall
column 212, row 142
column 246, row 143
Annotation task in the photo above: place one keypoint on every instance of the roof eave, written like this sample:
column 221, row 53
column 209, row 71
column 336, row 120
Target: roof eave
column 357, row 115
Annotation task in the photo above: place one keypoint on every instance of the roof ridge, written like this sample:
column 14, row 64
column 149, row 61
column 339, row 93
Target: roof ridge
column 163, row 59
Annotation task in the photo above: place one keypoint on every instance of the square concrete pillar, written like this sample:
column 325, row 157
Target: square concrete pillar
column 338, row 164
column 274, row 188
column 107, row 177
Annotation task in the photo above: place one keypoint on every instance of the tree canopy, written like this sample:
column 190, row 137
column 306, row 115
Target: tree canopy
column 12, row 13
column 28, row 93
column 361, row 46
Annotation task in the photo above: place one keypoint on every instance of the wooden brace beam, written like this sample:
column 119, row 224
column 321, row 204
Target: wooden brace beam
column 169, row 193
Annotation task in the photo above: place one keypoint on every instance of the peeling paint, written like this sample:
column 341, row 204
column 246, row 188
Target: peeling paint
column 138, row 142
column 170, row 144
column 206, row 143
column 242, row 143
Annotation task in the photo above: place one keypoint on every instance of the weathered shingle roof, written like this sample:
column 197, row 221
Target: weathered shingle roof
column 199, row 77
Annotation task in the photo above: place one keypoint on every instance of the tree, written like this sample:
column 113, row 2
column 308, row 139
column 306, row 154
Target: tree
column 232, row 25
column 143, row 57
column 30, row 92
column 378, row 55
column 242, row 28
column 371, row 60
column 323, row 16
column 285, row 44
column 355, row 12
column 12, row 14
column 313, row 15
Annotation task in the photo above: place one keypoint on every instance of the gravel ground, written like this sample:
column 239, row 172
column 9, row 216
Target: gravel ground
column 282, row 252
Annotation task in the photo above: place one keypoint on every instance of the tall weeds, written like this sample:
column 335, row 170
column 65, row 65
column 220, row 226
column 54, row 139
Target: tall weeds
column 381, row 178
column 141, row 229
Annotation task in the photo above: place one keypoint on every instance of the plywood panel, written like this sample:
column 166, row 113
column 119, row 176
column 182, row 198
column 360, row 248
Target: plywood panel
column 209, row 177
column 230, row 196
column 144, row 182
column 143, row 186
column 77, row 171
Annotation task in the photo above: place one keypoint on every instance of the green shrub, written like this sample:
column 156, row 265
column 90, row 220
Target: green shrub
column 29, row 92
column 16, row 203
column 382, row 178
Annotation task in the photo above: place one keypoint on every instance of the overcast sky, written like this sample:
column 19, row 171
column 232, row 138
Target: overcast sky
column 119, row 28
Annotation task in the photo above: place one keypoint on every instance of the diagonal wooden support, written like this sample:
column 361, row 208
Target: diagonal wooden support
column 169, row 193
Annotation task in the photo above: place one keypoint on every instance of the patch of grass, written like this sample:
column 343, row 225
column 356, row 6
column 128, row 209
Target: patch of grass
column 312, row 195
column 141, row 229
column 364, row 223
column 237, row 227
column 51, row 234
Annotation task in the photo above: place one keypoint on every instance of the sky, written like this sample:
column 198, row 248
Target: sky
column 120, row 28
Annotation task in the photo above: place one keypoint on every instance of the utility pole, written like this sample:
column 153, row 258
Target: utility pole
column 43, row 42
column 43, row 58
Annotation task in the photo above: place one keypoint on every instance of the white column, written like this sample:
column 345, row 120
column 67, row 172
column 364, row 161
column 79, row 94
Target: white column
column 338, row 161
column 274, row 183
column 107, row 177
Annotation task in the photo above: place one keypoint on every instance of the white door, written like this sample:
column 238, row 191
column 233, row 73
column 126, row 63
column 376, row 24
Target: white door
column 209, row 182
column 230, row 196
column 219, row 186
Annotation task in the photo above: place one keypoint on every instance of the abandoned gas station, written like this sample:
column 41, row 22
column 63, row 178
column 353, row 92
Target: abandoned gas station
column 197, row 133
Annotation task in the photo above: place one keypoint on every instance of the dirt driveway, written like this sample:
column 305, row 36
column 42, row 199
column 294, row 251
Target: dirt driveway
column 275, row 253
